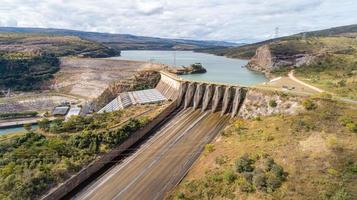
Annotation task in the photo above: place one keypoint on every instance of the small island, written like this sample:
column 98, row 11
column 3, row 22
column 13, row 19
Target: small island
column 195, row 68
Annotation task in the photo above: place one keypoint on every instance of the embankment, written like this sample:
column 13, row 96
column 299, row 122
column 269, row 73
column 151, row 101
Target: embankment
column 102, row 160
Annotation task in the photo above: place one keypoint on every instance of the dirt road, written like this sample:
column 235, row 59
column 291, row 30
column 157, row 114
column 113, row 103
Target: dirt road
column 292, row 77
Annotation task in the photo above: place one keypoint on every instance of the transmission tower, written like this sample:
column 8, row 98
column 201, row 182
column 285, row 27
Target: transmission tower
column 276, row 35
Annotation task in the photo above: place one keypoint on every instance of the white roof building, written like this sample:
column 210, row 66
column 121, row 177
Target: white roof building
column 75, row 111
column 127, row 99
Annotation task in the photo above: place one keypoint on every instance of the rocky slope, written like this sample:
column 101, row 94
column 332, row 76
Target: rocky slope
column 266, row 61
column 264, row 103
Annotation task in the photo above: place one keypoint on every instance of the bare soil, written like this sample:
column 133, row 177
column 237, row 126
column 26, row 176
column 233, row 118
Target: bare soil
column 88, row 77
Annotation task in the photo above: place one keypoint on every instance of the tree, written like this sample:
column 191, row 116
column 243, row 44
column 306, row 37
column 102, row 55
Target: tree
column 27, row 126
column 44, row 124
column 272, row 103
column 309, row 104
column 244, row 164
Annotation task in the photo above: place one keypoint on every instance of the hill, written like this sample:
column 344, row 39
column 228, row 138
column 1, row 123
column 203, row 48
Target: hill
column 310, row 155
column 326, row 59
column 35, row 43
column 126, row 41
column 248, row 51
column 27, row 60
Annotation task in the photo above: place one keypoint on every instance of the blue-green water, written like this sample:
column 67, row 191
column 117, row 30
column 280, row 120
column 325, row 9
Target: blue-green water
column 18, row 129
column 219, row 68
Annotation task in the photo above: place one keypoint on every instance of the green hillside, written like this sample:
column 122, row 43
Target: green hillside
column 28, row 60
column 248, row 51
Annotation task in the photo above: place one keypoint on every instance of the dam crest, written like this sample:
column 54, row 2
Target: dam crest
column 206, row 96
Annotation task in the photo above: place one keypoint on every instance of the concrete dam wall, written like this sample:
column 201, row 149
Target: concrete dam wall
column 206, row 96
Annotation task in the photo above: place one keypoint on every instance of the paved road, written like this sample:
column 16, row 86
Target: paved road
column 155, row 168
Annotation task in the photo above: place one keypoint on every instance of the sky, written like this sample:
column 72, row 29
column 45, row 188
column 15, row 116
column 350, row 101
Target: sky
column 226, row 20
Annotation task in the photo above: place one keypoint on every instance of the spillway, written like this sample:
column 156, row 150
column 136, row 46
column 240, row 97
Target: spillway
column 162, row 162
column 202, row 110
column 205, row 96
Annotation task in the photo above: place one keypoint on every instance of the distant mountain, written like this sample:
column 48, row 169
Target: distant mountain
column 248, row 51
column 127, row 41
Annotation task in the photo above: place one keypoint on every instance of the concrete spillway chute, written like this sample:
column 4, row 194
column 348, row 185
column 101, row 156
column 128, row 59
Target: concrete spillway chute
column 181, row 93
column 217, row 97
column 189, row 94
column 200, row 90
column 207, row 98
column 227, row 100
column 237, row 100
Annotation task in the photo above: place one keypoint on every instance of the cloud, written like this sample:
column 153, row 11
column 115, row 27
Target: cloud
column 230, row 20
column 149, row 8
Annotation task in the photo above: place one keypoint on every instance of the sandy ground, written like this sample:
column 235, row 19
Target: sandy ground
column 88, row 77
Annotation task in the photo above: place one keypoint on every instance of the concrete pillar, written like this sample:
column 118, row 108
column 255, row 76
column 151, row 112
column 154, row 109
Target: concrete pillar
column 181, row 94
column 207, row 97
column 200, row 90
column 189, row 94
column 217, row 97
column 236, row 101
column 227, row 99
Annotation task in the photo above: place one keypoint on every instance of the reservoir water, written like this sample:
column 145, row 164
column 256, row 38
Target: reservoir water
column 219, row 69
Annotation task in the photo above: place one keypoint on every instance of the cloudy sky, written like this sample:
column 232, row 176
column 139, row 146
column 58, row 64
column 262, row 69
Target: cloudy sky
column 229, row 20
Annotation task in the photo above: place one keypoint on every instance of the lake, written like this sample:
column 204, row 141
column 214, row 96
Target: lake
column 219, row 69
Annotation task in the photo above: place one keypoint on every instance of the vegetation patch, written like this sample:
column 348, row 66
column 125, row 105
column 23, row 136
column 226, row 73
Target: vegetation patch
column 18, row 115
column 32, row 163
column 310, row 155
column 19, row 72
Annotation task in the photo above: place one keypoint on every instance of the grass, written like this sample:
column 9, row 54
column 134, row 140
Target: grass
column 336, row 74
column 316, row 150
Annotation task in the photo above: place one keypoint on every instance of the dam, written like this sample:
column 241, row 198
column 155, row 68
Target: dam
column 201, row 111
column 204, row 96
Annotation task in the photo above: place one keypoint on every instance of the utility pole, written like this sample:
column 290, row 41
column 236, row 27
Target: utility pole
column 174, row 58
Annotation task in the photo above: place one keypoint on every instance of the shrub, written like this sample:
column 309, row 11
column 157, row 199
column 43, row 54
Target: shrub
column 341, row 194
column 27, row 126
column 273, row 182
column 209, row 148
column 44, row 124
column 344, row 120
column 180, row 195
column 272, row 103
column 244, row 164
column 352, row 127
column 245, row 186
column 17, row 115
column 309, row 104
column 229, row 176
column 220, row 160
column 267, row 177
column 259, row 180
